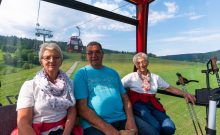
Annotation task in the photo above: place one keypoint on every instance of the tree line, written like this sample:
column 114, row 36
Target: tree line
column 22, row 52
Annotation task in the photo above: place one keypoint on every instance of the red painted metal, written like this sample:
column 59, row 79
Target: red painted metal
column 141, row 42
column 141, row 29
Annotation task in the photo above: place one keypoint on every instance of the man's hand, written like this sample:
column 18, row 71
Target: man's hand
column 87, row 113
column 110, row 130
column 130, row 125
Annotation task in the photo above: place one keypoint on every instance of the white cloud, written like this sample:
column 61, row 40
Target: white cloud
column 85, row 1
column 156, row 16
column 195, row 31
column 196, row 17
column 171, row 7
column 167, row 51
column 193, row 37
column 106, row 24
column 206, row 38
column 118, row 1
column 69, row 19
column 20, row 19
column 16, row 17
column 106, row 6
column 116, row 7
column 110, row 25
column 198, row 40
column 91, row 36
column 174, row 39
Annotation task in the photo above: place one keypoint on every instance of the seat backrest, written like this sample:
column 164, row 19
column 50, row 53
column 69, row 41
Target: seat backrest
column 8, row 116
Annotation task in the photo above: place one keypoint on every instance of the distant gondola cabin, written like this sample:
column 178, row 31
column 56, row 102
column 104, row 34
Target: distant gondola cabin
column 75, row 44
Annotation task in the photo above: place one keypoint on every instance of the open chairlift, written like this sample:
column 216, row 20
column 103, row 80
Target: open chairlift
column 41, row 31
column 141, row 23
column 8, row 122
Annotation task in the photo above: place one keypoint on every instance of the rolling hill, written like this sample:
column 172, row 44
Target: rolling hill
column 195, row 57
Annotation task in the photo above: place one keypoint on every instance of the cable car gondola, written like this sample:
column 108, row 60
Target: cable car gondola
column 75, row 44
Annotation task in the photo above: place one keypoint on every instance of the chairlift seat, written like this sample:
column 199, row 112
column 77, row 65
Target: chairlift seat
column 8, row 120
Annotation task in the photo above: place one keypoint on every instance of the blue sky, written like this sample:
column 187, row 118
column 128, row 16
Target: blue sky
column 175, row 26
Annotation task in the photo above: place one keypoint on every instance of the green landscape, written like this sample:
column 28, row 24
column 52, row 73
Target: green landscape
column 175, row 107
column 12, row 77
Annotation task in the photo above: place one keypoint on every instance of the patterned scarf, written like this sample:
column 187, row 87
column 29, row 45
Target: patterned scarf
column 145, row 80
column 58, row 93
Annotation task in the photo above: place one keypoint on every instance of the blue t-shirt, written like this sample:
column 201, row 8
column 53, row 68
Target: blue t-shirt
column 102, row 88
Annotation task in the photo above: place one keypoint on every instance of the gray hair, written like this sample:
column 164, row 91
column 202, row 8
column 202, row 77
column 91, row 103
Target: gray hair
column 139, row 55
column 52, row 46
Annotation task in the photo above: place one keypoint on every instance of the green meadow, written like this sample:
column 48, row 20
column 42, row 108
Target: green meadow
column 122, row 63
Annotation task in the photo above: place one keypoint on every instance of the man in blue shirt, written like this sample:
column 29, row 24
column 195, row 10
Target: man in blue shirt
column 102, row 101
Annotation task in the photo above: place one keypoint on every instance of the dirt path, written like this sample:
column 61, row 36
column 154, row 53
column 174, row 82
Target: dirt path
column 72, row 68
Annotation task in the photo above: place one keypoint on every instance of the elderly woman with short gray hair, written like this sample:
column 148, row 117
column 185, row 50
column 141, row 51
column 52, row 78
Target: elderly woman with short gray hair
column 143, row 87
column 46, row 104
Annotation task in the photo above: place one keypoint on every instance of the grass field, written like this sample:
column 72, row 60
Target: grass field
column 11, row 83
column 176, row 107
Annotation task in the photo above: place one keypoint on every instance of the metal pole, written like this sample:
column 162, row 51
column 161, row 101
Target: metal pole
column 212, row 118
column 44, row 38
column 211, row 128
column 193, row 113
column 183, row 81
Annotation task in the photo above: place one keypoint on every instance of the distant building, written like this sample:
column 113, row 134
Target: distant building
column 75, row 44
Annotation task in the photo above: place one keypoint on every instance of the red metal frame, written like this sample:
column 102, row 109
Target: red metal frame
column 141, row 32
column 141, row 21
column 141, row 29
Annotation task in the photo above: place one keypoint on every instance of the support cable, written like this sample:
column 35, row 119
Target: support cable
column 38, row 13
column 99, row 16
